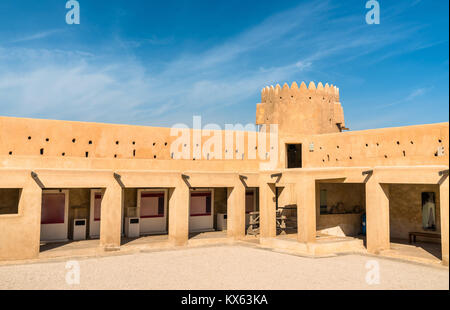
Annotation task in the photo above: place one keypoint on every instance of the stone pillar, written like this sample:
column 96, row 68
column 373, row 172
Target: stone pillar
column 111, row 215
column 443, row 192
column 267, row 211
column 236, row 211
column 179, row 214
column 305, row 191
column 20, row 233
column 377, row 216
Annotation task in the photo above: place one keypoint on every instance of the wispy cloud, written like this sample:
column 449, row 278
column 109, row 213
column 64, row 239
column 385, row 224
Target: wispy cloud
column 154, row 40
column 415, row 93
column 37, row 36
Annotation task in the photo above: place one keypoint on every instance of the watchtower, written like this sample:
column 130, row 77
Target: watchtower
column 301, row 110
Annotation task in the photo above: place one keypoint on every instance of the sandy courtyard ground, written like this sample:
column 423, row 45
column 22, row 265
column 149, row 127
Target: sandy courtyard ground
column 225, row 267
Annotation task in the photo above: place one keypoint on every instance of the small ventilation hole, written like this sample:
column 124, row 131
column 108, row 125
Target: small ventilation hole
column 134, row 142
column 404, row 153
column 165, row 143
column 29, row 138
column 90, row 142
column 74, row 140
column 47, row 139
column 398, row 142
column 115, row 155
column 440, row 141
column 87, row 154
column 351, row 157
column 117, row 142
column 154, row 143
column 367, row 145
column 412, row 142
column 10, row 153
column 385, row 156
column 42, row 151
column 63, row 154
column 154, row 156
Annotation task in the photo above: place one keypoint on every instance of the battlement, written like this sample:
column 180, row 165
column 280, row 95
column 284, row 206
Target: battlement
column 272, row 94
column 302, row 110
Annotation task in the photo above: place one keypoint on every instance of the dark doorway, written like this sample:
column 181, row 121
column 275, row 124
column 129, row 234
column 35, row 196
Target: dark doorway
column 294, row 155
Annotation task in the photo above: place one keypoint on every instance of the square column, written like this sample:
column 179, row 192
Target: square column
column 377, row 216
column 236, row 211
column 305, row 191
column 111, row 215
column 179, row 214
column 20, row 233
column 267, row 211
column 443, row 192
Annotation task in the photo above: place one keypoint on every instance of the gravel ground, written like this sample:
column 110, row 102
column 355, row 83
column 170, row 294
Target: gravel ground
column 224, row 267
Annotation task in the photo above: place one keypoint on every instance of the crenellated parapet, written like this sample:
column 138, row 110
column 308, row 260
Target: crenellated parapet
column 273, row 94
column 302, row 109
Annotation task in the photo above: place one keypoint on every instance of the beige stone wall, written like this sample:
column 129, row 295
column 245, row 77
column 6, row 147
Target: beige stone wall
column 400, row 146
column 411, row 145
column 9, row 200
column 65, row 139
column 405, row 208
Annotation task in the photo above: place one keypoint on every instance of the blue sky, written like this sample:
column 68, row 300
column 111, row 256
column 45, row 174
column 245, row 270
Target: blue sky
column 159, row 63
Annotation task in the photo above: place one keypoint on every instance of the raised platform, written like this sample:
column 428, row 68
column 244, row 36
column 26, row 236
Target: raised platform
column 420, row 252
column 324, row 245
